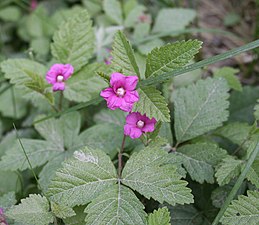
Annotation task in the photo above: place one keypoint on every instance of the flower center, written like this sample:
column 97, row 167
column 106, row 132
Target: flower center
column 140, row 124
column 60, row 78
column 120, row 92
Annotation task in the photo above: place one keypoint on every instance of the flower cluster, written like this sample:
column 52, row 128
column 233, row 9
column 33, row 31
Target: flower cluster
column 122, row 94
column 57, row 74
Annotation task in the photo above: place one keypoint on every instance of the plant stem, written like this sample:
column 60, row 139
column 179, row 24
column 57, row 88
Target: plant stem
column 60, row 101
column 239, row 182
column 120, row 156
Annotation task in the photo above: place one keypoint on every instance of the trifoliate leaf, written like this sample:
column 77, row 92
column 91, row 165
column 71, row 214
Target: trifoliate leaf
column 242, row 104
column 228, row 169
column 7, row 200
column 160, row 216
column 200, row 159
column 173, row 19
column 200, row 107
column 113, row 10
column 155, row 177
column 32, row 210
column 170, row 57
column 123, row 56
column 117, row 205
column 74, row 42
column 152, row 103
column 38, row 152
column 229, row 74
column 85, row 84
column 83, row 177
column 243, row 211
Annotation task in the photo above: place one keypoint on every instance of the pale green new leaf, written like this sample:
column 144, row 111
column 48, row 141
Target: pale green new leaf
column 83, row 177
column 152, row 103
column 74, row 41
column 116, row 206
column 85, row 85
column 32, row 210
column 229, row 74
column 173, row 19
column 200, row 107
column 123, row 56
column 160, row 216
column 170, row 57
column 38, row 152
column 243, row 211
column 113, row 10
column 155, row 177
column 228, row 169
column 200, row 159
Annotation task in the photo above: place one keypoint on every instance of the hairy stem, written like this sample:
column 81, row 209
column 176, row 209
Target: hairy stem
column 60, row 101
column 120, row 156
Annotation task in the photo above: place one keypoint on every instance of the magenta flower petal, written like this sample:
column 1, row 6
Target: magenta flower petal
column 131, row 96
column 149, row 127
column 106, row 93
column 58, row 86
column 127, row 107
column 132, row 118
column 133, row 132
column 131, row 82
column 117, row 80
column 114, row 102
column 67, row 71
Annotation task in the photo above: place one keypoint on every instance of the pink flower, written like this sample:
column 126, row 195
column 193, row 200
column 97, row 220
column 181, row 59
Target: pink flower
column 136, row 124
column 57, row 74
column 122, row 92
column 33, row 4
column 2, row 217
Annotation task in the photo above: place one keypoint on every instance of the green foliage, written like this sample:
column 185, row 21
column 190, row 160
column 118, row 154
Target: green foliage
column 32, row 210
column 160, row 216
column 116, row 205
column 83, row 177
column 256, row 108
column 10, row 14
column 85, row 84
column 7, row 200
column 229, row 74
column 200, row 107
column 113, row 10
column 27, row 75
column 74, row 42
column 253, row 173
column 228, row 169
column 62, row 211
column 155, row 177
column 152, row 103
column 11, row 182
column 123, row 56
column 170, row 57
column 243, row 211
column 200, row 159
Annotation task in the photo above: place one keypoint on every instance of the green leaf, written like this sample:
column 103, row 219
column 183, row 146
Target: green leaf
column 106, row 137
column 200, row 107
column 170, row 57
column 85, row 84
column 253, row 173
column 242, row 104
column 200, row 159
column 62, row 211
column 123, row 56
column 160, row 216
column 83, row 177
column 108, row 116
column 243, row 211
column 220, row 194
column 10, row 14
column 155, row 177
column 74, row 42
column 38, row 152
column 132, row 18
column 256, row 109
column 113, row 10
column 228, row 169
column 229, row 74
column 7, row 200
column 173, row 19
column 152, row 103
column 32, row 210
column 117, row 205
column 79, row 218
column 11, row 182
